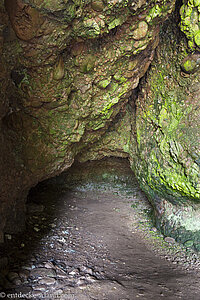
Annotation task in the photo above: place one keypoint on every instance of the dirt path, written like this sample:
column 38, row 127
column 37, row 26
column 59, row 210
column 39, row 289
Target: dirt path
column 92, row 242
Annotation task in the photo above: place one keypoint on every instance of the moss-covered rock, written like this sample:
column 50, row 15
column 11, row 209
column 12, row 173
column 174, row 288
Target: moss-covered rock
column 190, row 17
column 168, row 139
column 190, row 64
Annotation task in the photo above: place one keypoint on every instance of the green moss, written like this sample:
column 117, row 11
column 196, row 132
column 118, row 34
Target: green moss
column 154, row 12
column 104, row 83
column 162, row 166
column 196, row 2
column 197, row 38
column 188, row 66
column 116, row 22
column 189, row 13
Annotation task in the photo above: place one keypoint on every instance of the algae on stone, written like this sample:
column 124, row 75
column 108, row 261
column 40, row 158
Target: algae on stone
column 168, row 137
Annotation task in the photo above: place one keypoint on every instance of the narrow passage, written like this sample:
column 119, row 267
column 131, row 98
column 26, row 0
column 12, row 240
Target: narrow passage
column 90, row 236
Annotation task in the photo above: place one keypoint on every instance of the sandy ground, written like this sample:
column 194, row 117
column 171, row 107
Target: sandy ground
column 93, row 239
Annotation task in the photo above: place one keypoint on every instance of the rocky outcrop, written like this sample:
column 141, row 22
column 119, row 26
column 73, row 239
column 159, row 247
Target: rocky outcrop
column 168, row 138
column 68, row 70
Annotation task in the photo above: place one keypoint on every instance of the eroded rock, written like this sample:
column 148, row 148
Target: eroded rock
column 168, row 141
column 78, row 63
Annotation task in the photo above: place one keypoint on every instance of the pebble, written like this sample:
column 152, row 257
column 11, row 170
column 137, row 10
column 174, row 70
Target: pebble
column 49, row 265
column 27, row 267
column 154, row 229
column 90, row 279
column 41, row 272
column 86, row 270
column 74, row 272
column 61, row 275
column 47, row 281
column 40, row 287
column 170, row 240
column 36, row 229
column 80, row 282
column 8, row 237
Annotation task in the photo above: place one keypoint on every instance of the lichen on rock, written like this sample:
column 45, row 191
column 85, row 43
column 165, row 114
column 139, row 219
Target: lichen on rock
column 190, row 16
column 168, row 140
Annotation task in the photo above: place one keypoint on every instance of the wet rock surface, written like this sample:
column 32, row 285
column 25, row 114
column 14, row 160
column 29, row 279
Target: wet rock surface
column 96, row 240
column 168, row 139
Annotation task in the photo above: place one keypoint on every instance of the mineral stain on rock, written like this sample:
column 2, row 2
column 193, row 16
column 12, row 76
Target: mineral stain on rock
column 59, row 69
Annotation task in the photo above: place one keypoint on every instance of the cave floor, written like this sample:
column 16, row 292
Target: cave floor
column 95, row 242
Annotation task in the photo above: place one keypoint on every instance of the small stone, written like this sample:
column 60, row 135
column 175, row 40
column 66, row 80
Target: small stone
column 86, row 270
column 61, row 275
column 141, row 31
column 41, row 272
column 80, row 282
column 8, row 237
column 59, row 292
column 49, row 265
column 36, row 229
column 191, row 63
column 97, row 5
column 27, row 267
column 40, row 287
column 170, row 240
column 47, row 281
column 154, row 229
column 90, row 279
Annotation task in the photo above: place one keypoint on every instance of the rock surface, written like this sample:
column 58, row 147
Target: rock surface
column 71, row 88
column 67, row 71
column 168, row 140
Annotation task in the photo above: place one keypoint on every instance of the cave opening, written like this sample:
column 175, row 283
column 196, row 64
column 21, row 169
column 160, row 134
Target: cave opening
column 117, row 79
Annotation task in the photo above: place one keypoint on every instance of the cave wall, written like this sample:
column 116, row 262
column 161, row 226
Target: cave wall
column 168, row 137
column 69, row 74
column 69, row 69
